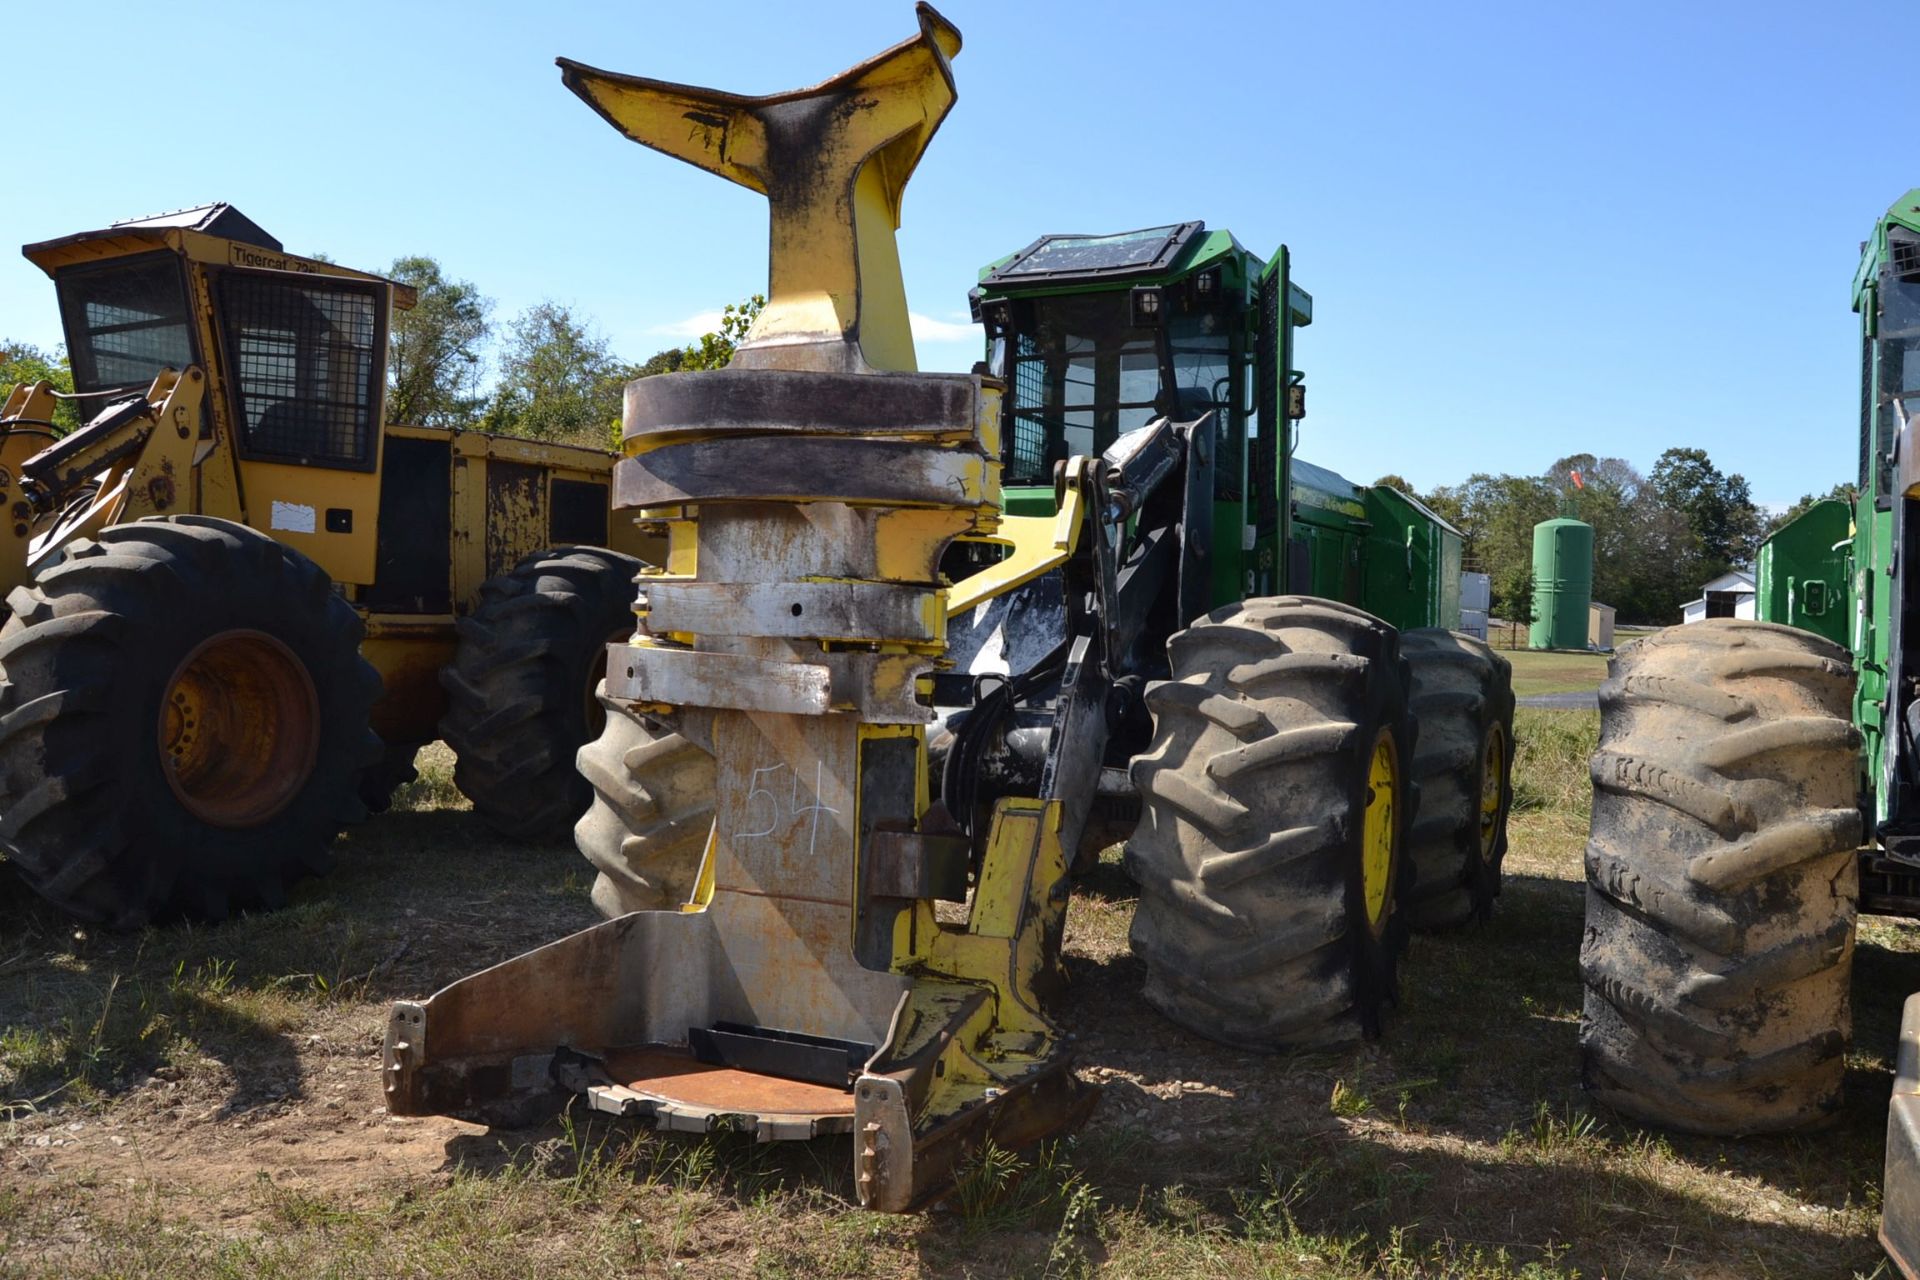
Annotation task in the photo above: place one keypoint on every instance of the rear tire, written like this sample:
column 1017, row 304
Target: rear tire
column 1722, row 876
column 1267, row 914
column 183, row 722
column 521, row 686
column 652, row 811
column 1463, row 703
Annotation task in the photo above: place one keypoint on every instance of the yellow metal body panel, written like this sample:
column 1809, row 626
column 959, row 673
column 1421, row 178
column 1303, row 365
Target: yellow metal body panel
column 290, row 503
column 834, row 286
column 408, row 651
column 1037, row 545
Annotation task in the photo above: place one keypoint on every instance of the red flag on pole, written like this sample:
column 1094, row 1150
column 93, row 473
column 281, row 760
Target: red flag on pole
column 1578, row 483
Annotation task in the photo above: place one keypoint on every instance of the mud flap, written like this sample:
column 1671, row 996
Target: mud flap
column 1900, row 1189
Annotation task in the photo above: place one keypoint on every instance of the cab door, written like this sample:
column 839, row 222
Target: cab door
column 305, row 362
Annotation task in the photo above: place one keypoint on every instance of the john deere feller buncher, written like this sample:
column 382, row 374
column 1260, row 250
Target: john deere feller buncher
column 237, row 604
column 1757, row 785
column 920, row 640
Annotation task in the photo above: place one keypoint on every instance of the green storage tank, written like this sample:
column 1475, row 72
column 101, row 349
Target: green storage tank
column 1800, row 575
column 1562, row 584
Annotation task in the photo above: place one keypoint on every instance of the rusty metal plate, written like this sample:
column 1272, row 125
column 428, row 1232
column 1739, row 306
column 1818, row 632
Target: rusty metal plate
column 671, row 1075
column 798, row 610
column 689, row 677
column 804, row 469
column 722, row 402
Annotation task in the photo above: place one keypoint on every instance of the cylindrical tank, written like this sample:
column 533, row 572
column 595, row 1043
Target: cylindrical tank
column 1562, row 584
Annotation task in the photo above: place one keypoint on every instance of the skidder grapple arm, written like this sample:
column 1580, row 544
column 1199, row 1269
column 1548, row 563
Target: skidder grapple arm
column 135, row 458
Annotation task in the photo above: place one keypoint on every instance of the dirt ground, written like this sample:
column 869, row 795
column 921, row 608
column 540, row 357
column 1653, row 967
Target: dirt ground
column 206, row 1101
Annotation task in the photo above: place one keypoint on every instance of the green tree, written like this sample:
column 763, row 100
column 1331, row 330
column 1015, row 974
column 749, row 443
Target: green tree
column 558, row 381
column 436, row 349
column 672, row 360
column 24, row 362
column 1719, row 508
column 1394, row 481
column 715, row 350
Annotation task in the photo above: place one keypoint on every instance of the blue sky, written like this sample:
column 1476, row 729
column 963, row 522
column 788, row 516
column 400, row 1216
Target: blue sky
column 1529, row 229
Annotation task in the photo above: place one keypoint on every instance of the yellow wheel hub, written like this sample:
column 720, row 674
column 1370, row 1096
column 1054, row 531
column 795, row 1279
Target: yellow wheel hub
column 1378, row 827
column 239, row 729
column 1493, row 768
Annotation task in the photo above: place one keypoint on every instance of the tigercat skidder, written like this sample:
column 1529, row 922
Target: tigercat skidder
column 1758, row 785
column 238, row 603
column 922, row 642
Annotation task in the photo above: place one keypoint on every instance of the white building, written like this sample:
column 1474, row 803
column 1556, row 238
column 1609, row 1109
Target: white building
column 1731, row 595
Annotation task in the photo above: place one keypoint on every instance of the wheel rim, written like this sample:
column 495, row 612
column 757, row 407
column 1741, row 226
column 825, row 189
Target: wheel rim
column 239, row 729
column 1493, row 771
column 1377, row 828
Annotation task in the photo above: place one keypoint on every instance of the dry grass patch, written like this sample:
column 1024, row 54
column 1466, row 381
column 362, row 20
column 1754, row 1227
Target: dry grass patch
column 195, row 1101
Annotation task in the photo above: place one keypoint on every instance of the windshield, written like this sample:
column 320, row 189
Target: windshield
column 125, row 321
column 1083, row 374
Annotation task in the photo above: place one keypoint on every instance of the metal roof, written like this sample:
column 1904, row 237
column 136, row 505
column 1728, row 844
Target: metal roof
column 214, row 219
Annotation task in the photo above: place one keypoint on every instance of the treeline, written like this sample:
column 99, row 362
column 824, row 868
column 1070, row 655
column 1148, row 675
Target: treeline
column 553, row 376
column 547, row 373
column 1657, row 538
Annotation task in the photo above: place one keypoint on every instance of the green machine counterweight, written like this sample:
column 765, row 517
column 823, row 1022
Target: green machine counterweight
column 1562, row 584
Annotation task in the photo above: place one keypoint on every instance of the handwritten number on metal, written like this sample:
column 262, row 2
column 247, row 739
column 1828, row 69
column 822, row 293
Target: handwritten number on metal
column 763, row 805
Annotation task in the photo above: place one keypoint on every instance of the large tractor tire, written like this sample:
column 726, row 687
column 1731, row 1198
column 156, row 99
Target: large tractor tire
column 1276, row 798
column 652, row 811
column 1722, row 879
column 183, row 722
column 521, row 687
column 1463, row 703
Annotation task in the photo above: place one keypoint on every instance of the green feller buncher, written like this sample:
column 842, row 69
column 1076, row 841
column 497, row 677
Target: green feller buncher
column 923, row 642
column 1757, row 785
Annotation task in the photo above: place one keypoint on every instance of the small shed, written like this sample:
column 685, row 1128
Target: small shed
column 1731, row 595
column 1600, row 627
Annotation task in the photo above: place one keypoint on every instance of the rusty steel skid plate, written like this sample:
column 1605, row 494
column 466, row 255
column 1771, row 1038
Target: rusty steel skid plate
column 1900, row 1188
column 666, row 1085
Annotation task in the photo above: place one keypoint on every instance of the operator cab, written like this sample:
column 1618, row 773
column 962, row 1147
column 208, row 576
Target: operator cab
column 1099, row 335
column 303, row 342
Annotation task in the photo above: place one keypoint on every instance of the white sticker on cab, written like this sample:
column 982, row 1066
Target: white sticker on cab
column 294, row 517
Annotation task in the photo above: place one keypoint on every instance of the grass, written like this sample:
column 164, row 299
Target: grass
column 1551, row 671
column 196, row 1101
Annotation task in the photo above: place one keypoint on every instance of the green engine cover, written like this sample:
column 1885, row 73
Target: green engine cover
column 1801, row 571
